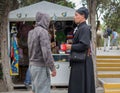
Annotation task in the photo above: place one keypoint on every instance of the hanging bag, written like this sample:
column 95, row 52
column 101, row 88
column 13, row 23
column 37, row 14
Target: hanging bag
column 105, row 35
column 78, row 56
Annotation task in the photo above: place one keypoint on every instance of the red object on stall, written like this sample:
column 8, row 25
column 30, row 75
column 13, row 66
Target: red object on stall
column 63, row 47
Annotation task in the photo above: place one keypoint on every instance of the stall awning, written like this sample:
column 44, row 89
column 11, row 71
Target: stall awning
column 56, row 12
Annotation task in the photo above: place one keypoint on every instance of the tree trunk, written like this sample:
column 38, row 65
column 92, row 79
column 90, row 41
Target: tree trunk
column 4, row 48
column 92, row 22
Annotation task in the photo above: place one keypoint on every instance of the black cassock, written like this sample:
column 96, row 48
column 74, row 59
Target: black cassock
column 82, row 73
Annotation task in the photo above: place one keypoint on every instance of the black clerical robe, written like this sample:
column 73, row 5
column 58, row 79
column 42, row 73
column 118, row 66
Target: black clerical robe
column 82, row 73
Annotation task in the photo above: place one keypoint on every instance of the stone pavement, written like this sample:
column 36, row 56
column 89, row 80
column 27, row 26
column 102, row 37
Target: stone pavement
column 57, row 90
column 113, row 52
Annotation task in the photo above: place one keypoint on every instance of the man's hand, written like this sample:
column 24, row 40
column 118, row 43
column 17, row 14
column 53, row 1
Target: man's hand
column 53, row 73
column 68, row 46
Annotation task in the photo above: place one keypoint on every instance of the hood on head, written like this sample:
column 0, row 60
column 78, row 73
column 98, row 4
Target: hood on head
column 42, row 20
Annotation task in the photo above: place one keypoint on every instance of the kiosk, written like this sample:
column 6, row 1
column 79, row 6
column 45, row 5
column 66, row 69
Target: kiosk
column 21, row 21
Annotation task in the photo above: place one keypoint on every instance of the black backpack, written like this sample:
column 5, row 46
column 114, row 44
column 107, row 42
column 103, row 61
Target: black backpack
column 105, row 35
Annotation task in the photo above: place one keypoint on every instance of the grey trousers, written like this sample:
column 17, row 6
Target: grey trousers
column 40, row 77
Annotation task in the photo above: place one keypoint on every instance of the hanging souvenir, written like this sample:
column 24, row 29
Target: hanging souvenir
column 14, row 52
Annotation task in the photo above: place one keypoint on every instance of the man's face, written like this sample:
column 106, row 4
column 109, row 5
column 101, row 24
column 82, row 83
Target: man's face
column 78, row 18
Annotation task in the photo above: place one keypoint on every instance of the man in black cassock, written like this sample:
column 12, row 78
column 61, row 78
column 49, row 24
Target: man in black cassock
column 82, row 73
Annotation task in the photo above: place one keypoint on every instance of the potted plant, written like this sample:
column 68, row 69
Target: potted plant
column 60, row 37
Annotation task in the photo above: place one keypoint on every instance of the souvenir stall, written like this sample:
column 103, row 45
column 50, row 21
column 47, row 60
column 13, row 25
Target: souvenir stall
column 22, row 20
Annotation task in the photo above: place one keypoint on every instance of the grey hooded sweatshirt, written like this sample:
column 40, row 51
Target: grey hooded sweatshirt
column 39, row 43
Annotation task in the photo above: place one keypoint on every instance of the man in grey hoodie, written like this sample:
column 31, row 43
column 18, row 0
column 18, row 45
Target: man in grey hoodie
column 40, row 56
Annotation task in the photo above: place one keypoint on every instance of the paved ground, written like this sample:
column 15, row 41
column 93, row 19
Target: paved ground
column 64, row 90
column 113, row 52
column 2, row 86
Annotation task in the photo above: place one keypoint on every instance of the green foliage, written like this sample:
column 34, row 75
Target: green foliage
column 102, row 5
column 68, row 4
column 110, row 10
column 112, row 15
column 60, row 36
column 28, row 2
column 60, row 2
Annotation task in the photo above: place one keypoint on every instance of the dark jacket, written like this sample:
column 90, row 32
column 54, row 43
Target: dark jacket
column 82, row 37
column 39, row 43
column 109, row 31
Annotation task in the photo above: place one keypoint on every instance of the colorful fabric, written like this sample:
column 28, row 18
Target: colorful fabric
column 14, row 56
